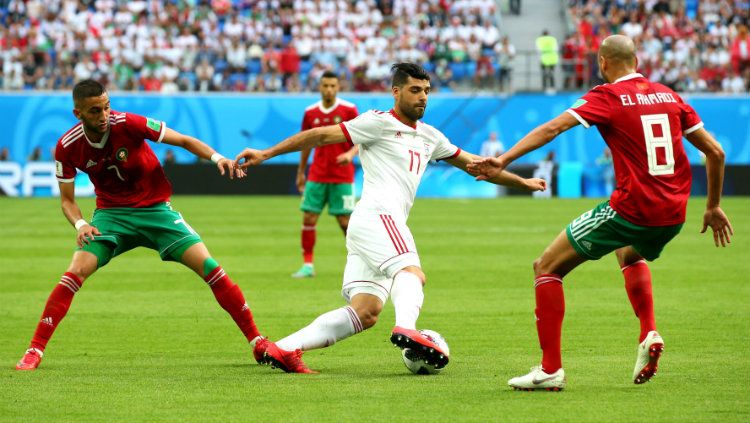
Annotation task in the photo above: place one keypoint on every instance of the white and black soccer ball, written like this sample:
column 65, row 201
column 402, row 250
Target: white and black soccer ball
column 416, row 364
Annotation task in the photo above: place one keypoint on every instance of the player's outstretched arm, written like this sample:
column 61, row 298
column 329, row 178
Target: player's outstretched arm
column 204, row 151
column 73, row 213
column 344, row 159
column 503, row 178
column 714, row 216
column 490, row 167
column 303, row 140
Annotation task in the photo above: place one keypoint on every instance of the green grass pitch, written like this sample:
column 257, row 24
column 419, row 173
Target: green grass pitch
column 145, row 341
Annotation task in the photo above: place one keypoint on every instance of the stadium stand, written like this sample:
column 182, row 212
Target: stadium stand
column 283, row 46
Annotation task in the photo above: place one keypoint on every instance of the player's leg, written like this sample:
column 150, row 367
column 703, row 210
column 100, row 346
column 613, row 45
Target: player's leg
column 82, row 265
column 343, row 221
column 341, row 203
column 637, row 276
column 313, row 201
column 648, row 244
column 227, row 293
column 638, row 287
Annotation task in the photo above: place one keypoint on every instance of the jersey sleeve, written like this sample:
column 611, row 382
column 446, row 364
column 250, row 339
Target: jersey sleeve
column 689, row 119
column 593, row 108
column 444, row 150
column 364, row 129
column 146, row 128
column 65, row 171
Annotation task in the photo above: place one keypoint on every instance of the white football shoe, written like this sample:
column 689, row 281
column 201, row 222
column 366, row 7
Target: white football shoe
column 647, row 359
column 537, row 379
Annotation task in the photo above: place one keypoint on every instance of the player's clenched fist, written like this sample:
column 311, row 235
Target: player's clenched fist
column 536, row 184
column 249, row 157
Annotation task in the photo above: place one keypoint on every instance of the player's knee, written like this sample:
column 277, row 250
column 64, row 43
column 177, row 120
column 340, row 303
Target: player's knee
column 540, row 266
column 310, row 219
column 418, row 272
column 368, row 315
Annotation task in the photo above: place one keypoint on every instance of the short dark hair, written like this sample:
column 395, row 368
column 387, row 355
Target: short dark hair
column 402, row 72
column 88, row 88
column 329, row 74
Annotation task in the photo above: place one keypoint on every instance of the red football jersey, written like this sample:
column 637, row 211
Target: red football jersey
column 643, row 124
column 324, row 168
column 123, row 168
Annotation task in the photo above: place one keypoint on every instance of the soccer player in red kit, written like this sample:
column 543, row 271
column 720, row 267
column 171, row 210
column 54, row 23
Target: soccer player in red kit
column 643, row 124
column 331, row 177
column 132, row 207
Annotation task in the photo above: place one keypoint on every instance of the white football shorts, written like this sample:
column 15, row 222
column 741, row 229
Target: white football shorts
column 379, row 246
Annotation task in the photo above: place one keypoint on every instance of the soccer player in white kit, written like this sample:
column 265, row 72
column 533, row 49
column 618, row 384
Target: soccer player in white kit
column 382, row 260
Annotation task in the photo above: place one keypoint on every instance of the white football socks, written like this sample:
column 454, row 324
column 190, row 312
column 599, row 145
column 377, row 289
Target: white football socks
column 324, row 331
column 407, row 297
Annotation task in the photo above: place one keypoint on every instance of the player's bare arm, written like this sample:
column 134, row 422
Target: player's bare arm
column 73, row 213
column 202, row 150
column 489, row 167
column 714, row 216
column 344, row 159
column 503, row 178
column 304, row 157
column 303, row 140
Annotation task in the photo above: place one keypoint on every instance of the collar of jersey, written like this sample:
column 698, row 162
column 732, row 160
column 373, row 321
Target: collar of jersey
column 628, row 76
column 99, row 144
column 330, row 109
column 394, row 114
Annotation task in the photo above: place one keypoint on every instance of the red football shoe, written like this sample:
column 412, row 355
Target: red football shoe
column 420, row 344
column 30, row 360
column 259, row 345
column 288, row 361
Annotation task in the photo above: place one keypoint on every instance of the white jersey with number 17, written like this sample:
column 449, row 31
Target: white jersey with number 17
column 394, row 156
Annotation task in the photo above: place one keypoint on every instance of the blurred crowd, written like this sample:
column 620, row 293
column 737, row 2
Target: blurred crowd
column 250, row 45
column 706, row 49
column 285, row 45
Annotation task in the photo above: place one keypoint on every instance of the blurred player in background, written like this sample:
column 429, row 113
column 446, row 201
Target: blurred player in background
column 395, row 148
column 331, row 177
column 643, row 124
column 132, row 207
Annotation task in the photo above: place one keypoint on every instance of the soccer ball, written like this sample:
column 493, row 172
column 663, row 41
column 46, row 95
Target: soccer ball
column 415, row 363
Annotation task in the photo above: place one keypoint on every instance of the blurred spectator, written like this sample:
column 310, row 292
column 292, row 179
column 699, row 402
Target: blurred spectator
column 546, row 45
column 169, row 157
column 36, row 155
column 4, row 154
column 505, row 53
column 606, row 170
column 544, row 170
column 492, row 147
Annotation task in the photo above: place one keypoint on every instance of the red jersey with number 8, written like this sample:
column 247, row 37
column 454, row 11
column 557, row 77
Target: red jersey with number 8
column 643, row 124
column 122, row 167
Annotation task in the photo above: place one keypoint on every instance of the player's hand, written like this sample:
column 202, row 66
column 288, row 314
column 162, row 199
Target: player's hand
column 249, row 157
column 301, row 180
column 344, row 159
column 86, row 235
column 486, row 168
column 719, row 223
column 226, row 167
column 536, row 184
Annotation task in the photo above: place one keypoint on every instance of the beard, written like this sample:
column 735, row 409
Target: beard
column 413, row 113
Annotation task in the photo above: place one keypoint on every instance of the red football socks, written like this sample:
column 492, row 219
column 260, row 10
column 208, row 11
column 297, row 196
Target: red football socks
column 308, row 243
column 57, row 306
column 550, row 310
column 638, row 286
column 231, row 299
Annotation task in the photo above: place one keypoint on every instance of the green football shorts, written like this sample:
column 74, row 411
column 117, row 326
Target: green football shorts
column 601, row 230
column 157, row 227
column 339, row 197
